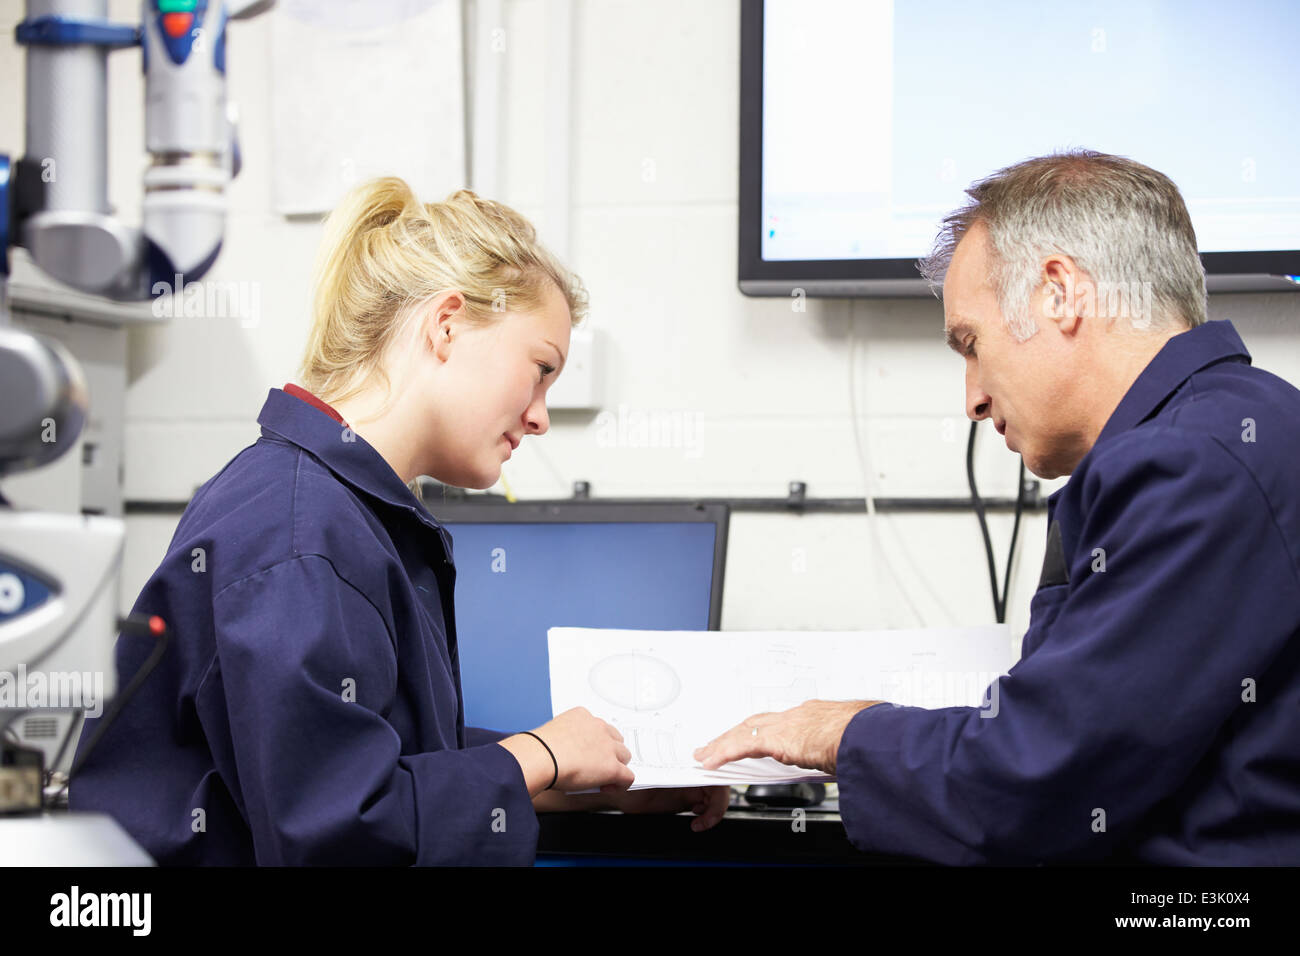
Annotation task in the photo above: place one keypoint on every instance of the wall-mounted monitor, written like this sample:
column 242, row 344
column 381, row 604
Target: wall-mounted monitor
column 863, row 121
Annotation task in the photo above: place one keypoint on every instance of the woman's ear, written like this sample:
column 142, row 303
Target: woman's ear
column 443, row 322
column 442, row 337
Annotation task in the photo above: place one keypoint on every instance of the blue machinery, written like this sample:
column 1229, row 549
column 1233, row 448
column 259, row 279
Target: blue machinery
column 58, row 572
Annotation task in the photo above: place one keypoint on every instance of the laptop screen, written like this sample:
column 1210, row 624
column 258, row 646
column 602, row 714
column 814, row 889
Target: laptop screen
column 524, row 568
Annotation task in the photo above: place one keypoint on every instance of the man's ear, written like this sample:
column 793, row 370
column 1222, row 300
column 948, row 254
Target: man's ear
column 1062, row 293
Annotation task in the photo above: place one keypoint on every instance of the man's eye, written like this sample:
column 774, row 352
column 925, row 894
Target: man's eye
column 970, row 349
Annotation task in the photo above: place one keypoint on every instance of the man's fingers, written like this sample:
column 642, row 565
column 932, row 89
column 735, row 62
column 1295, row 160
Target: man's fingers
column 720, row 741
column 745, row 727
column 724, row 751
column 713, row 755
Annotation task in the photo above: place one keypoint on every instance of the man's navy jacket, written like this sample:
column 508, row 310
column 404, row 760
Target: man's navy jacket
column 308, row 708
column 1155, row 712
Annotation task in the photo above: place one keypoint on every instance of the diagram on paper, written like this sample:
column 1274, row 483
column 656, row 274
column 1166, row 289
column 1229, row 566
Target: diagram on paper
column 779, row 681
column 635, row 681
column 669, row 693
column 656, row 746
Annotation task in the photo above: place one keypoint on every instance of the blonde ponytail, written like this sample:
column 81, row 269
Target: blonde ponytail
column 383, row 253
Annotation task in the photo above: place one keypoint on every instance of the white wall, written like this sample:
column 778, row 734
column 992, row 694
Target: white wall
column 654, row 236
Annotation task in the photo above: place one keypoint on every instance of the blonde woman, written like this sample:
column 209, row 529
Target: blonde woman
column 308, row 707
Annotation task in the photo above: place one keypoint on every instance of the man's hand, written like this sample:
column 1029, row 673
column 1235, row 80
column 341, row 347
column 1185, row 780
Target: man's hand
column 806, row 736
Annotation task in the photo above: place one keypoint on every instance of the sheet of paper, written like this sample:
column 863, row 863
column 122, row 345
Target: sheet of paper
column 361, row 90
column 669, row 692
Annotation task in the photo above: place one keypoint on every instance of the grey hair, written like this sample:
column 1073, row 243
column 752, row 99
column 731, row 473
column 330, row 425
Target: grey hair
column 1123, row 223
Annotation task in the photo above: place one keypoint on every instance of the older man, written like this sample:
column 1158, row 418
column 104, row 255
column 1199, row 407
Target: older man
column 1155, row 712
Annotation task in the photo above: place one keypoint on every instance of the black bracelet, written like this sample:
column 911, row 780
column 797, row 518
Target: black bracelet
column 548, row 750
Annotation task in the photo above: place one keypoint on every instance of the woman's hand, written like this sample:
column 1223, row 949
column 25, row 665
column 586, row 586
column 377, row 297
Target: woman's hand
column 707, row 803
column 589, row 754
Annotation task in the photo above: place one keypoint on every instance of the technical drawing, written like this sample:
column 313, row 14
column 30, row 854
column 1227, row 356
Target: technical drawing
column 771, row 698
column 650, row 746
column 635, row 681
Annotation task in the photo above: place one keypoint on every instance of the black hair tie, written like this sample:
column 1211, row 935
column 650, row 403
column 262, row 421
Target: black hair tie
column 549, row 751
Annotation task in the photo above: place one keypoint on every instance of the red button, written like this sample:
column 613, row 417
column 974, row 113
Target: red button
column 177, row 24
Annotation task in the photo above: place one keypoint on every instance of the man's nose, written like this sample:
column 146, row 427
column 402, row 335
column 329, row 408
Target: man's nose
column 978, row 401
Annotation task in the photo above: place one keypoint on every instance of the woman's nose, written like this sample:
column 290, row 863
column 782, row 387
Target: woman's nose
column 536, row 419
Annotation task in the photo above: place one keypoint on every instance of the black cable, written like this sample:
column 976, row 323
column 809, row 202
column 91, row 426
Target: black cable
column 978, row 505
column 999, row 600
column 78, row 720
column 1011, row 549
column 161, row 637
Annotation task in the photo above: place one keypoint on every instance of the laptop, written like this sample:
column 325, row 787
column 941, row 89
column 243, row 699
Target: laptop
column 525, row 567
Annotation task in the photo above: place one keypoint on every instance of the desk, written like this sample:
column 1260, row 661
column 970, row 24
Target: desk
column 745, row 835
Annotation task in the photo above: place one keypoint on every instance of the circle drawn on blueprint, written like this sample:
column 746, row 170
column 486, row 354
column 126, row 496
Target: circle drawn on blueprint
column 635, row 681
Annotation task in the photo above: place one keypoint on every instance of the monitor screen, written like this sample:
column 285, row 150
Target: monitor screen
column 863, row 121
column 520, row 572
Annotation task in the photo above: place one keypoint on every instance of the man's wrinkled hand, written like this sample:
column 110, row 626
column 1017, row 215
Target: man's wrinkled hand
column 806, row 736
